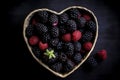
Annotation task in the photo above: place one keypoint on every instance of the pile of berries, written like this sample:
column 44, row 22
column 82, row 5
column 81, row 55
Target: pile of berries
column 61, row 41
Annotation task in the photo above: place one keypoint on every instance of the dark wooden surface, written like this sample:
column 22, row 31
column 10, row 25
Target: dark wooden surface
column 20, row 62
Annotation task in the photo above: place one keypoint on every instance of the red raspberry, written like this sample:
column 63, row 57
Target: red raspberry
column 34, row 22
column 66, row 37
column 33, row 40
column 76, row 35
column 87, row 17
column 43, row 46
column 102, row 54
column 82, row 51
column 87, row 46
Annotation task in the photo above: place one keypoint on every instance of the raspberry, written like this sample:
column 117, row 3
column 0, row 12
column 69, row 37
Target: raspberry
column 43, row 46
column 66, row 37
column 33, row 40
column 76, row 35
column 87, row 46
column 34, row 21
column 101, row 55
column 87, row 17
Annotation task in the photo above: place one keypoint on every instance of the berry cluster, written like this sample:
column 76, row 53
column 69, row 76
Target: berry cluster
column 61, row 41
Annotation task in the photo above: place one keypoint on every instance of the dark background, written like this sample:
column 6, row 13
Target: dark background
column 20, row 64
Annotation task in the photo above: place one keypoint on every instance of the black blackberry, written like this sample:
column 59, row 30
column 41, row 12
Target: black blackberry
column 69, row 53
column 54, row 42
column 77, row 58
column 91, row 26
column 29, row 31
column 62, row 57
column 41, row 28
column 36, row 51
column 59, row 45
column 62, row 29
column 69, row 65
column 53, row 60
column 82, row 30
column 63, row 18
column 53, row 20
column 54, row 32
column 48, row 61
column 57, row 67
column 81, row 22
column 68, row 47
column 91, row 62
column 42, row 16
column 45, row 37
column 87, row 36
column 71, row 25
column 77, row 46
column 74, row 13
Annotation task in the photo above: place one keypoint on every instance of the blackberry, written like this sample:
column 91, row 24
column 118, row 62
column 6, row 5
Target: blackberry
column 36, row 51
column 91, row 26
column 48, row 61
column 87, row 36
column 69, row 65
column 77, row 58
column 68, row 47
column 53, row 20
column 63, row 18
column 54, row 32
column 62, row 29
column 41, row 28
column 91, row 62
column 62, row 57
column 71, row 25
column 81, row 22
column 82, row 30
column 57, row 67
column 69, row 53
column 77, row 46
column 59, row 45
column 53, row 60
column 42, row 16
column 45, row 37
column 54, row 42
column 29, row 31
column 74, row 13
